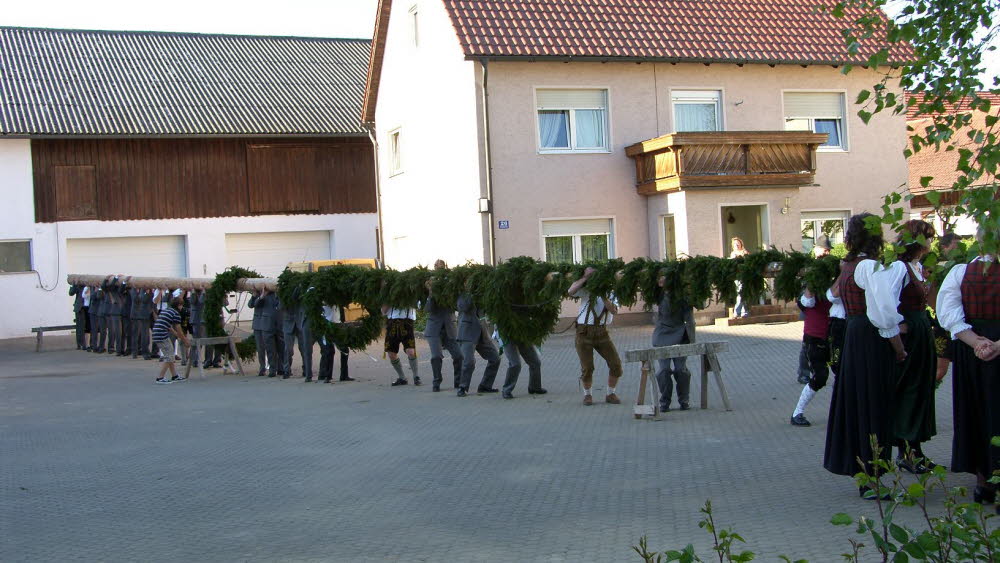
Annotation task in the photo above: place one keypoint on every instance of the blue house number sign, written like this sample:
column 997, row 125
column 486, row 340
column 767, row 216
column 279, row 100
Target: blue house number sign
column 504, row 224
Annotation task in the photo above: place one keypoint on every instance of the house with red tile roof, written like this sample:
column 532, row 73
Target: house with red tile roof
column 572, row 130
column 941, row 166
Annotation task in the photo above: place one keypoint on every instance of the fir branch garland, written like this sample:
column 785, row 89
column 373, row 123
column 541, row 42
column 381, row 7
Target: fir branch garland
column 215, row 296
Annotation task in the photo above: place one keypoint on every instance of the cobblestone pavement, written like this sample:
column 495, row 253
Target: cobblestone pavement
column 98, row 463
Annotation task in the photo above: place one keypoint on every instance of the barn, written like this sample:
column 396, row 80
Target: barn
column 174, row 154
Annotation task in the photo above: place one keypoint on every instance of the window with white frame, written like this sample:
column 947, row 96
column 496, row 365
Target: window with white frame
column 830, row 223
column 697, row 110
column 15, row 256
column 395, row 157
column 819, row 112
column 572, row 120
column 577, row 240
column 414, row 29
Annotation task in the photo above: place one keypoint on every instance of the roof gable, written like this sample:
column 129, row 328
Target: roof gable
column 115, row 83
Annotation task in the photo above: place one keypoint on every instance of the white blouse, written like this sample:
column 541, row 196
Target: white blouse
column 836, row 306
column 882, row 286
column 395, row 313
column 949, row 309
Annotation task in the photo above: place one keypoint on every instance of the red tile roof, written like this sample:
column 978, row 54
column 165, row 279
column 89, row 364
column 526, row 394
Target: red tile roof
column 743, row 31
column 912, row 99
column 942, row 165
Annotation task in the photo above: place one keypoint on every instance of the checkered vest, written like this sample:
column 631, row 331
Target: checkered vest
column 852, row 295
column 913, row 297
column 981, row 291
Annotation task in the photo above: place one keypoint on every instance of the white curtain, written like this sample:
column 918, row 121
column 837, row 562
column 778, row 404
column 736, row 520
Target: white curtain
column 553, row 129
column 695, row 117
column 589, row 129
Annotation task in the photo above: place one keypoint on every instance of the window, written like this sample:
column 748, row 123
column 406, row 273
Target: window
column 572, row 120
column 697, row 110
column 414, row 35
column 577, row 241
column 829, row 223
column 15, row 256
column 819, row 112
column 395, row 158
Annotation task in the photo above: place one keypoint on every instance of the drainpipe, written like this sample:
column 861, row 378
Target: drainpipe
column 380, row 247
column 489, row 158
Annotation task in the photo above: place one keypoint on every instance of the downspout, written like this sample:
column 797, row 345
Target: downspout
column 489, row 159
column 380, row 247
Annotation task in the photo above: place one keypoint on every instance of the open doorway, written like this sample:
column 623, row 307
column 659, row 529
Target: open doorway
column 748, row 222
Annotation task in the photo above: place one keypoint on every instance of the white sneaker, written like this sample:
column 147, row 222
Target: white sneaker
column 178, row 378
column 163, row 381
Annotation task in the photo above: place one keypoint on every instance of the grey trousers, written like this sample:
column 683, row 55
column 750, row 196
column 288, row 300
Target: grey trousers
column 102, row 332
column 680, row 374
column 267, row 354
column 438, row 343
column 125, row 338
column 140, row 338
column 514, row 351
column 485, row 348
column 95, row 330
column 305, row 349
column 81, row 328
column 114, row 331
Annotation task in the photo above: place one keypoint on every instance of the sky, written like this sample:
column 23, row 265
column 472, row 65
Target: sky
column 307, row 18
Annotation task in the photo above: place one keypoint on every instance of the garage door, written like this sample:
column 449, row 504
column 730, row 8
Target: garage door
column 135, row 256
column 269, row 253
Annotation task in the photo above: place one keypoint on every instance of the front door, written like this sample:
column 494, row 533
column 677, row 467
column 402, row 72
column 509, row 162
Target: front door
column 745, row 222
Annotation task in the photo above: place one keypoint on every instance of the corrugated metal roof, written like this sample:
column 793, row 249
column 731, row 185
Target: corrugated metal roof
column 113, row 83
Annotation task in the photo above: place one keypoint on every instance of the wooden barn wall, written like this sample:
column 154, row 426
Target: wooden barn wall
column 122, row 179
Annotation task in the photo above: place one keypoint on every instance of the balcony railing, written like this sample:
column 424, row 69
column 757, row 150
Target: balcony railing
column 720, row 159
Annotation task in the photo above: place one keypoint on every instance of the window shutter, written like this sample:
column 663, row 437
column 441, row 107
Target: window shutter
column 706, row 96
column 572, row 99
column 576, row 227
column 814, row 104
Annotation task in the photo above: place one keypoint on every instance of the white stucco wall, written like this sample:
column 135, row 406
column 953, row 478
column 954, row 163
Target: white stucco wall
column 429, row 93
column 29, row 301
column 529, row 186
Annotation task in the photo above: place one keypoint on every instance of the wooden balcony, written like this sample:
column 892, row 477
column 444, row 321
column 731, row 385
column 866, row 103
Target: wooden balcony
column 725, row 159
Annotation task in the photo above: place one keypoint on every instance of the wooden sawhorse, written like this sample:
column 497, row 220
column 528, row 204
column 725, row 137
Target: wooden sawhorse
column 708, row 351
column 200, row 343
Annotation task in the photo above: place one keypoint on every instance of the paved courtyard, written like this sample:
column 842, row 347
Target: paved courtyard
column 99, row 464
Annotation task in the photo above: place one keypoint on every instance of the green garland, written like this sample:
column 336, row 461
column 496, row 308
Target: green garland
column 337, row 287
column 215, row 296
column 519, row 312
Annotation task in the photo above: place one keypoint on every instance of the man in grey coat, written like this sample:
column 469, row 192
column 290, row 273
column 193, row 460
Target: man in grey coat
column 674, row 325
column 264, row 305
column 98, row 304
column 141, row 317
column 79, row 316
column 474, row 336
column 113, row 310
column 441, row 335
column 295, row 326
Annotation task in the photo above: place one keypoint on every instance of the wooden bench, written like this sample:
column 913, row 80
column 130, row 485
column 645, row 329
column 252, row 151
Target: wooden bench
column 200, row 343
column 40, row 330
column 708, row 351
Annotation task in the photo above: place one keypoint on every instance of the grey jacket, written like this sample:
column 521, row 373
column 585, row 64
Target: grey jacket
column 265, row 312
column 77, row 290
column 142, row 304
column 470, row 323
column 97, row 301
column 439, row 318
column 674, row 325
column 292, row 317
column 197, row 308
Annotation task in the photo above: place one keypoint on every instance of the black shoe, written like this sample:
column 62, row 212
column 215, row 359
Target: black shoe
column 664, row 408
column 309, row 380
column 803, row 379
column 915, row 467
column 416, row 380
column 436, row 387
column 800, row 420
column 462, row 392
column 286, row 376
column 347, row 379
column 399, row 381
column 983, row 495
column 507, row 395
column 328, row 380
column 868, row 494
column 685, row 407
column 261, row 374
column 539, row 391
column 486, row 390
column 272, row 375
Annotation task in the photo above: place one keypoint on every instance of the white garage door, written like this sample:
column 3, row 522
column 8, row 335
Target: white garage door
column 269, row 253
column 134, row 256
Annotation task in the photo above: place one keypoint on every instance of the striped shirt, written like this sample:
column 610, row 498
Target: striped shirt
column 164, row 321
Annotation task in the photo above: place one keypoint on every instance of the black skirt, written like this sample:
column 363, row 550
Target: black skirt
column 862, row 398
column 976, row 406
column 913, row 401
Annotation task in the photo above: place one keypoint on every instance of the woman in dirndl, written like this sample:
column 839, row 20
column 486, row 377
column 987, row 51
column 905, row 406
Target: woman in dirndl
column 968, row 306
column 862, row 394
column 913, row 402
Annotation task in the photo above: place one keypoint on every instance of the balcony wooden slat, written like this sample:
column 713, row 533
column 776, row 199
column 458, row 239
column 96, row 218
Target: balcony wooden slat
column 725, row 159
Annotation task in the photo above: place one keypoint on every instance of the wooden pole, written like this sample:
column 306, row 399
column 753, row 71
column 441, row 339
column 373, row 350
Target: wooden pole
column 242, row 284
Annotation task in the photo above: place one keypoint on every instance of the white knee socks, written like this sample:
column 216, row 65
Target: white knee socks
column 806, row 396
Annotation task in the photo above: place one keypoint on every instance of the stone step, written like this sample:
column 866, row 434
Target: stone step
column 756, row 310
column 758, row 319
